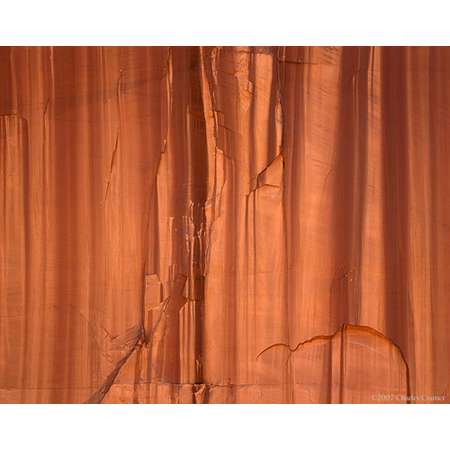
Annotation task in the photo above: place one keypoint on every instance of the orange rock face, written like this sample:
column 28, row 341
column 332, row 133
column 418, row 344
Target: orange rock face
column 224, row 225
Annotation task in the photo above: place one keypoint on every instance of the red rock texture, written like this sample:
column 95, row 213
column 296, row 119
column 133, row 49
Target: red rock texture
column 224, row 225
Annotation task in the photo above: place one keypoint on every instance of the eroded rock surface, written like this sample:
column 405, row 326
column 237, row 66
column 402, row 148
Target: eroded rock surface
column 175, row 221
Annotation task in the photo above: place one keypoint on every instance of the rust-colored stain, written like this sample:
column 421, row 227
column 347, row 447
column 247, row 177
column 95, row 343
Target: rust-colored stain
column 224, row 225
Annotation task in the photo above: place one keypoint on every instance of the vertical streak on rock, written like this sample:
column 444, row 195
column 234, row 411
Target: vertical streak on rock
column 48, row 242
column 294, row 142
column 310, row 93
column 182, row 187
column 38, row 85
column 67, row 184
column 221, row 338
column 14, row 248
column 372, row 260
column 244, row 301
column 439, row 116
column 396, row 167
column 420, row 218
column 27, row 69
column 134, row 85
column 349, row 185
column 6, row 99
column 218, row 168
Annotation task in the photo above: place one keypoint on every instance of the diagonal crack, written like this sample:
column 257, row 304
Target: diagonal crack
column 101, row 392
column 111, row 168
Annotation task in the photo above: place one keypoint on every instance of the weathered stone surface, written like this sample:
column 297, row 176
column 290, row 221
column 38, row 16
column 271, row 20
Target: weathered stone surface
column 238, row 225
